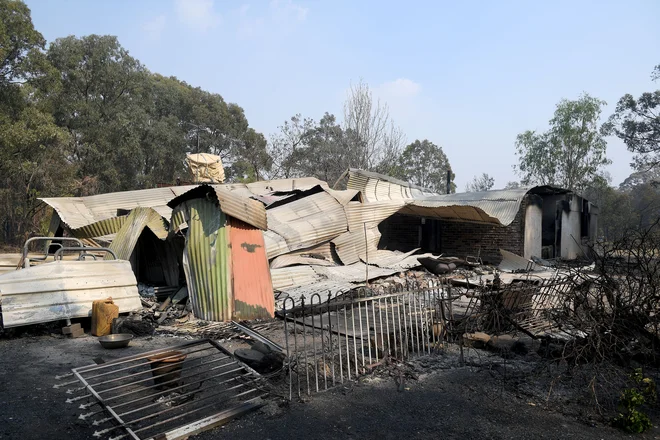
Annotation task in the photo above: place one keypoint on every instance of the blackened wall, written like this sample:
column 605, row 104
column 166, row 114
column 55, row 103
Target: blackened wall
column 400, row 233
column 456, row 239
column 462, row 239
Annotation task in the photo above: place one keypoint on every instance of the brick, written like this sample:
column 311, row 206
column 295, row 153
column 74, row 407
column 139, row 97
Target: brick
column 71, row 329
column 77, row 332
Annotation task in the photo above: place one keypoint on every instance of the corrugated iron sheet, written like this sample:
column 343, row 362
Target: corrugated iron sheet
column 354, row 245
column 207, row 261
column 232, row 203
column 499, row 207
column 375, row 187
column 293, row 276
column 356, row 272
column 100, row 229
column 131, row 229
column 65, row 289
column 250, row 211
column 275, row 244
column 448, row 212
column 344, row 196
column 385, row 258
column 252, row 287
column 495, row 207
column 283, row 185
column 178, row 220
column 293, row 260
column 77, row 212
column 306, row 222
column 372, row 214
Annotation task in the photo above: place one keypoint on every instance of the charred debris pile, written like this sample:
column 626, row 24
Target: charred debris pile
column 318, row 286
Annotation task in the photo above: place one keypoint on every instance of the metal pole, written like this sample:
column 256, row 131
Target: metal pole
column 366, row 251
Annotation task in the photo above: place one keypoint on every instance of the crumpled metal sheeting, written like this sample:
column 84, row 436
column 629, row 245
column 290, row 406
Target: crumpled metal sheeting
column 275, row 244
column 179, row 220
column 72, row 211
column 343, row 196
column 291, row 276
column 131, row 229
column 283, row 185
column 231, row 203
column 305, row 223
column 377, row 187
column 292, row 260
column 250, row 211
column 311, row 230
column 514, row 263
column 101, row 228
column 77, row 212
column 353, row 245
column 111, row 226
column 386, row 258
column 445, row 211
column 356, row 272
column 358, row 214
column 496, row 207
column 305, row 207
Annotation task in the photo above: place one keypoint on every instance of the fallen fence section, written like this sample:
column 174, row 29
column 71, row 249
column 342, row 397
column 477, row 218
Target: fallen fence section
column 338, row 338
column 170, row 393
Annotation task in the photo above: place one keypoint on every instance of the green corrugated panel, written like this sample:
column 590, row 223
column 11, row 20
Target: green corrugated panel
column 127, row 236
column 207, row 261
column 100, row 228
column 178, row 217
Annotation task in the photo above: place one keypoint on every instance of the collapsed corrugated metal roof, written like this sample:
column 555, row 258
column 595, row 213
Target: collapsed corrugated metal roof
column 293, row 260
column 375, row 186
column 77, row 212
column 304, row 223
column 304, row 216
column 497, row 207
column 133, row 225
column 306, row 281
column 232, row 203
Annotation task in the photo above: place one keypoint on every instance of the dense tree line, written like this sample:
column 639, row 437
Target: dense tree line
column 82, row 116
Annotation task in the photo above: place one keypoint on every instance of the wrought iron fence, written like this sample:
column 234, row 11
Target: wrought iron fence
column 338, row 338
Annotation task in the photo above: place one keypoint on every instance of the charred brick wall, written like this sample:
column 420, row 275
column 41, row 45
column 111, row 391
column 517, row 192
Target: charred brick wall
column 400, row 233
column 461, row 239
column 457, row 239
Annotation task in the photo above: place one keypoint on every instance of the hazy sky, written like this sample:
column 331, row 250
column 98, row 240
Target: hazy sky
column 469, row 76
